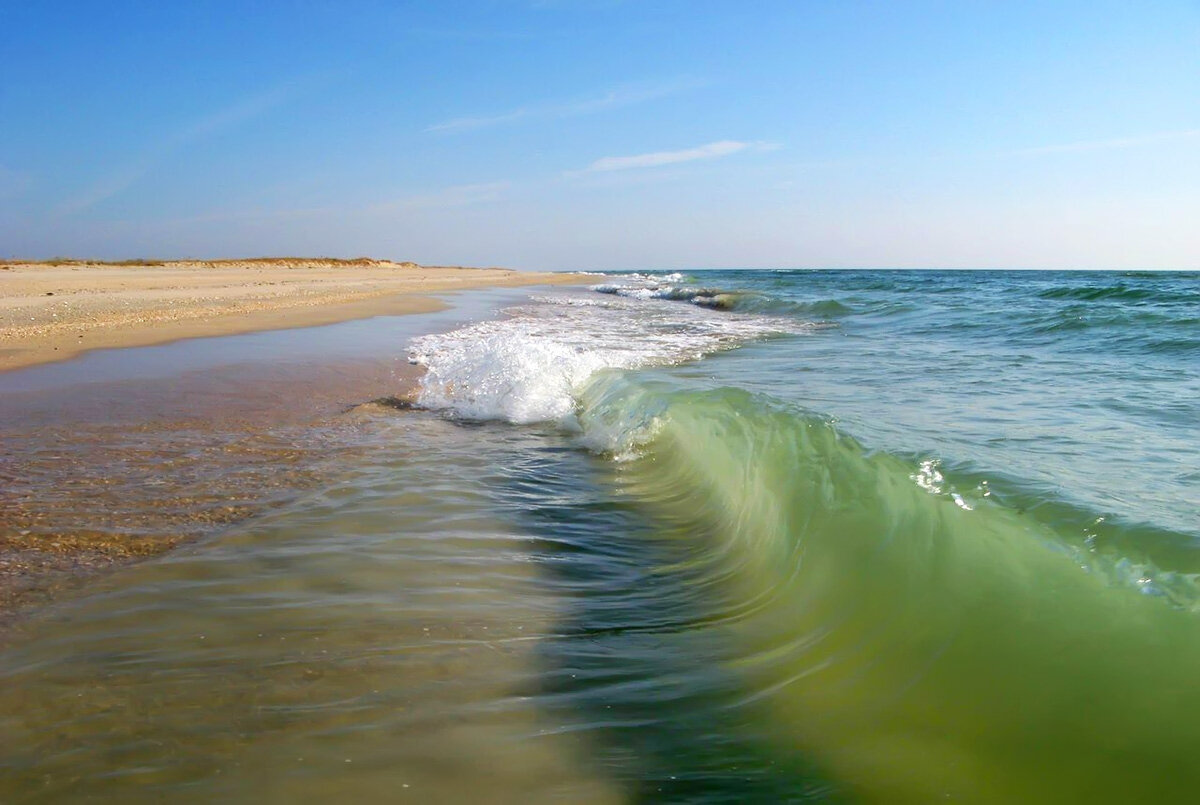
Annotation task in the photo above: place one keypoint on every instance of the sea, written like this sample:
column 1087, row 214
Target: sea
column 689, row 537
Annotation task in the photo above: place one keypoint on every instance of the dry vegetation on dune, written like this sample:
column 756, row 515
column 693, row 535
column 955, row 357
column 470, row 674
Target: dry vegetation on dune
column 276, row 262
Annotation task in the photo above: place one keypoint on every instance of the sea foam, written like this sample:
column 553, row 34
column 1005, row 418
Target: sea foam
column 529, row 365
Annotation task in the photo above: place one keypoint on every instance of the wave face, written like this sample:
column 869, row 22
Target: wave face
column 995, row 601
column 919, row 638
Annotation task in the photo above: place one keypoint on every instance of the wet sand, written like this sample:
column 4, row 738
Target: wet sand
column 99, row 469
column 108, row 473
column 382, row 636
column 51, row 312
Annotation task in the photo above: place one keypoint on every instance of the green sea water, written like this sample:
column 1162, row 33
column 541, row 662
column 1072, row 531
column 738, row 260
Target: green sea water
column 859, row 536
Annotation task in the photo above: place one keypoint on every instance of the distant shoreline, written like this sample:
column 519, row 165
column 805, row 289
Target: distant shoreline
column 56, row 309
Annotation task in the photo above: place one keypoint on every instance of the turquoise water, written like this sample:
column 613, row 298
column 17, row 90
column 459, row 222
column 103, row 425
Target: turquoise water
column 1083, row 388
column 715, row 537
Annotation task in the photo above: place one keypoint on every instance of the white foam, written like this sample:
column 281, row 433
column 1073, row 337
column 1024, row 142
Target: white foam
column 529, row 365
column 636, row 276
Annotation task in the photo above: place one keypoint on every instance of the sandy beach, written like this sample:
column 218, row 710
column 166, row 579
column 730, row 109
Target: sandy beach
column 54, row 311
column 136, row 466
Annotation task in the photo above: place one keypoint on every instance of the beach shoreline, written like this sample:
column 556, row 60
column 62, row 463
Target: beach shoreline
column 54, row 311
column 134, row 467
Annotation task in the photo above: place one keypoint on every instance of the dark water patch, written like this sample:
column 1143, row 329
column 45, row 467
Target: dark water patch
column 1161, row 275
column 636, row 663
column 1077, row 317
column 1175, row 346
column 1093, row 293
column 1122, row 292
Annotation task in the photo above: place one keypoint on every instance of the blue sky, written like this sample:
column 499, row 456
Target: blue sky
column 599, row 134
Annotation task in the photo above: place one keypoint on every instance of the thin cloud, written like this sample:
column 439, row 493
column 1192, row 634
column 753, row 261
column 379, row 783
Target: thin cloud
column 722, row 148
column 469, row 123
column 623, row 96
column 626, row 95
column 1108, row 145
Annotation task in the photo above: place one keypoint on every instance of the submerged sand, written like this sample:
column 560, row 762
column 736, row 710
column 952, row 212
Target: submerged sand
column 132, row 468
column 54, row 311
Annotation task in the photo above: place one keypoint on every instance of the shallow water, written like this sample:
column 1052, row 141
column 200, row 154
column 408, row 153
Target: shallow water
column 840, row 536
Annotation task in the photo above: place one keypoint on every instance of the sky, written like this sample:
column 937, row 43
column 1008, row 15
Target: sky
column 606, row 134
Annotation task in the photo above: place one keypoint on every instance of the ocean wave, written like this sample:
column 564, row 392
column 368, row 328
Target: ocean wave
column 1120, row 292
column 864, row 480
column 528, row 366
column 903, row 628
column 703, row 297
column 1146, row 330
column 722, row 299
column 916, row 628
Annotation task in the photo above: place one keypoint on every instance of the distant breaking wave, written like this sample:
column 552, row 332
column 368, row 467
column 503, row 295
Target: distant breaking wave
column 530, row 365
column 643, row 287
